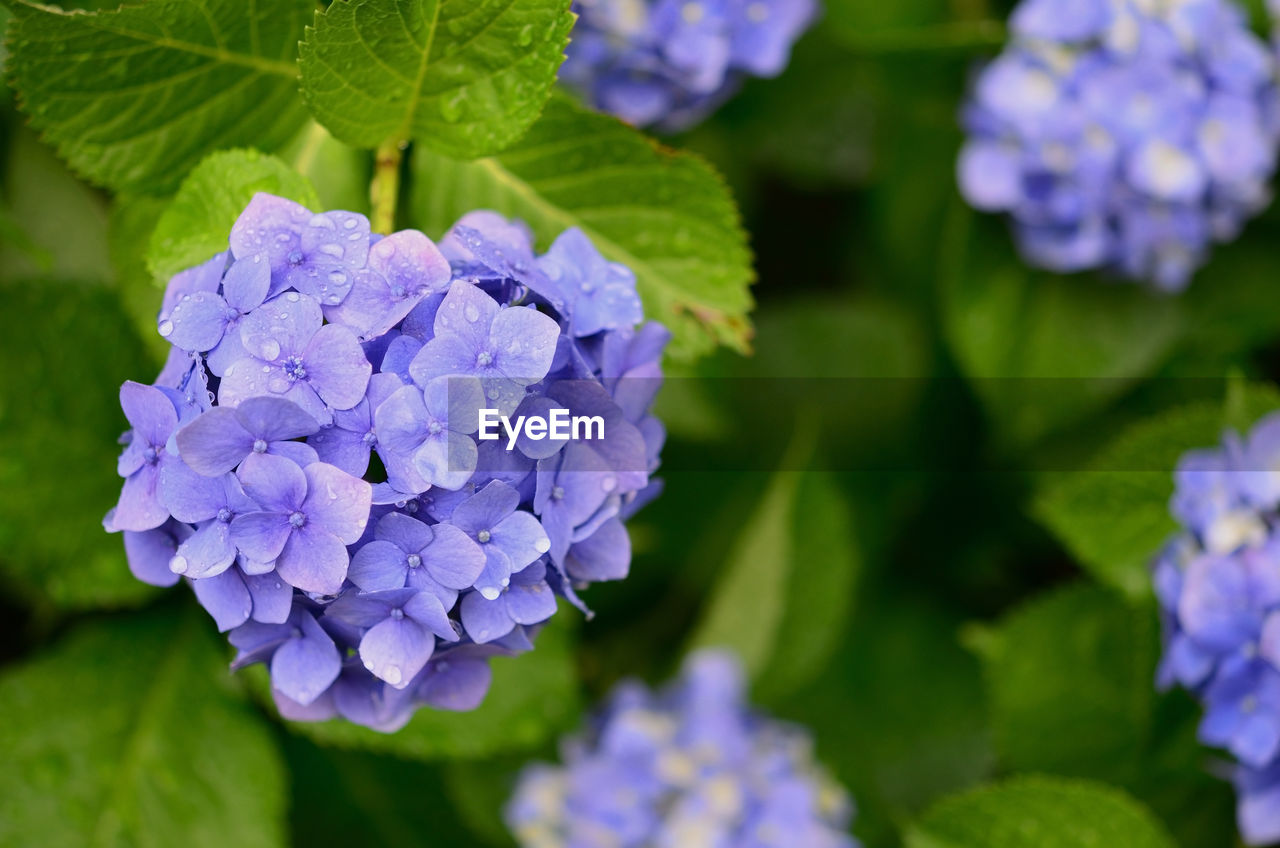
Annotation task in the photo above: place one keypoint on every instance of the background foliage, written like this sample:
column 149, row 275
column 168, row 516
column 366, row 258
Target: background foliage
column 952, row 595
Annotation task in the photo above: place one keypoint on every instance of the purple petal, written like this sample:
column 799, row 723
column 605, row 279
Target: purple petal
column 378, row 565
column 337, row 501
column 280, row 328
column 224, row 597
column 214, row 442
column 443, row 356
column 303, row 668
column 247, row 282
column 207, row 553
column 338, row 237
column 272, row 598
column 395, row 650
column 274, row 419
column 456, row 684
column 149, row 411
column 604, row 555
column 273, row 482
column 428, row 610
column 399, row 356
column 139, row 507
column 197, row 322
column 205, row 277
column 530, row 603
column 313, row 560
column 539, row 407
column 485, row 620
column 447, row 460
column 189, row 496
column 496, row 573
column 408, row 534
column 452, row 559
column 369, row 310
column 322, row 708
column 300, row 454
column 149, row 553
column 228, row 351
column 409, row 260
column 521, row 537
column 523, row 342
column 336, row 366
column 261, row 536
column 486, row 508
column 467, row 313
column 270, row 225
column 342, row 449
column 455, row 401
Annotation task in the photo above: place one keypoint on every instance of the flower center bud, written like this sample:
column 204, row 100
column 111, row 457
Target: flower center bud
column 414, row 560
column 483, row 536
column 295, row 257
column 397, row 292
column 150, row 455
column 434, row 428
column 370, row 439
column 293, row 368
column 558, row 493
column 485, row 358
column 259, row 445
column 225, row 515
column 297, row 519
column 397, row 614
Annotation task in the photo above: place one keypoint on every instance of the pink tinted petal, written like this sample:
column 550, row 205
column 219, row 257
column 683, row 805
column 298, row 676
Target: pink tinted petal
column 304, row 668
column 281, row 327
column 453, row 559
column 378, row 565
column 214, row 442
column 337, row 237
column 149, row 411
column 139, row 507
column 523, row 341
column 368, row 310
column 411, row 261
column 272, row 598
column 225, row 598
column 336, row 366
column 456, row 684
column 274, row 419
column 260, row 536
column 273, row 482
column 337, row 501
column 197, row 322
column 188, row 496
column 466, row 313
column 485, row 620
column 207, row 553
column 270, row 225
column 395, row 650
column 313, row 560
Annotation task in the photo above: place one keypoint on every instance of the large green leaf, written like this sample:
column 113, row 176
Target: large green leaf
column 197, row 222
column 788, row 581
column 466, row 77
column 134, row 98
column 129, row 732
column 1114, row 515
column 665, row 215
column 66, row 349
column 1039, row 813
column 1044, row 351
column 533, row 697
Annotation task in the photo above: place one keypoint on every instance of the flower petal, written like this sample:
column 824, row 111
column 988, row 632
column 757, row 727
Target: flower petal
column 337, row 501
column 336, row 366
column 305, row 667
column 378, row 565
column 395, row 650
column 485, row 620
column 214, row 442
column 224, row 597
column 313, row 560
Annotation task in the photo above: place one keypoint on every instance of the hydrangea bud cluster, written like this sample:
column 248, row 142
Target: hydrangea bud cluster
column 669, row 63
column 308, row 458
column 1218, row 582
column 1124, row 136
column 688, row 765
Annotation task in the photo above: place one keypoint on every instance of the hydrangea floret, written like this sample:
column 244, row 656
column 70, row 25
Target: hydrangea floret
column 307, row 460
column 1124, row 136
column 669, row 63
column 1218, row 582
column 688, row 765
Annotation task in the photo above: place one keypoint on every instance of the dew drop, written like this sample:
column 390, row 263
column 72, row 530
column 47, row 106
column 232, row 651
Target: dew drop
column 166, row 328
column 542, row 545
column 178, row 565
column 471, row 313
column 391, row 674
column 490, row 593
column 292, row 297
column 270, row 349
column 609, row 483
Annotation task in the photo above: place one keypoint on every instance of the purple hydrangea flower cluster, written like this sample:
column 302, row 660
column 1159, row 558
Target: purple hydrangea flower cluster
column 308, row 458
column 1218, row 583
column 689, row 765
column 1124, row 136
column 669, row 63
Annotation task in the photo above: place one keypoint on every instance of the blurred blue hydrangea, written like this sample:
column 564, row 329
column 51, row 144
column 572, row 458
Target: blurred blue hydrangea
column 308, row 459
column 1218, row 583
column 669, row 63
column 1124, row 136
column 689, row 765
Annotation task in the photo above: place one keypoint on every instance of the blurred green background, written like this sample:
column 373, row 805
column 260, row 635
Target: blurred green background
column 952, row 591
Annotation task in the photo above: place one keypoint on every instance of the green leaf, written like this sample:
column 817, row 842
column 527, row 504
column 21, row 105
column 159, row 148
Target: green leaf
column 788, row 582
column 466, row 77
column 196, row 224
column 133, row 220
column 1114, row 515
column 130, row 732
column 1040, row 812
column 66, row 349
column 1069, row 681
column 667, row 216
column 134, row 98
column 1044, row 351
column 340, row 174
column 533, row 697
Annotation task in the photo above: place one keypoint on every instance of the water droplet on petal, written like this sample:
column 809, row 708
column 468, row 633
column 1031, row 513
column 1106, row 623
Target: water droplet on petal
column 292, row 297
column 542, row 545
column 471, row 313
column 391, row 674
column 166, row 328
column 489, row 593
column 178, row 565
column 270, row 349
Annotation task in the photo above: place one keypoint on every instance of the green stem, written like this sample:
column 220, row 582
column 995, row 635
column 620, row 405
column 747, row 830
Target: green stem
column 385, row 187
column 958, row 36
